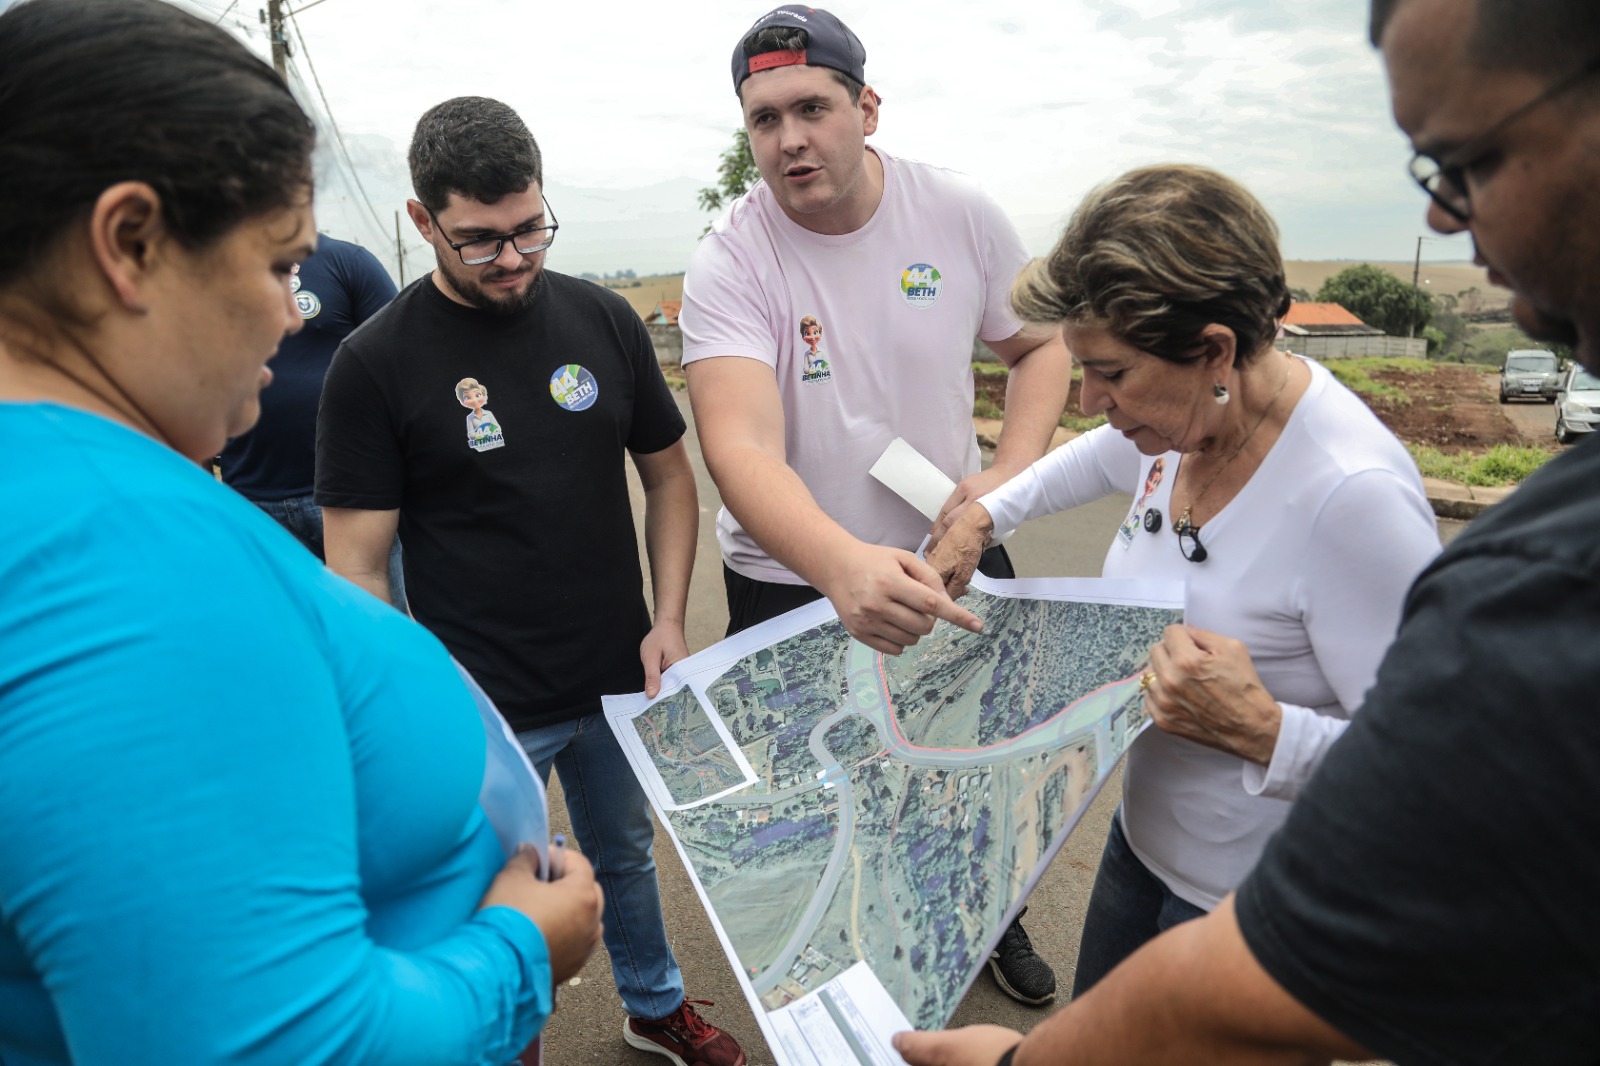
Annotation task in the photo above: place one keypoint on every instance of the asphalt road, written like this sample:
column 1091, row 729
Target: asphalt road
column 587, row 1025
column 1534, row 419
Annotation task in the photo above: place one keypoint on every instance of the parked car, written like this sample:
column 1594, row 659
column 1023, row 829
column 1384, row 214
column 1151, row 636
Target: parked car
column 1578, row 407
column 1530, row 373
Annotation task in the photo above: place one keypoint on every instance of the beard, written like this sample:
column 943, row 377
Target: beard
column 470, row 287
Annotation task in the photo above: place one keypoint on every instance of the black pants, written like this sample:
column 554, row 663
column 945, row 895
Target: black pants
column 752, row 602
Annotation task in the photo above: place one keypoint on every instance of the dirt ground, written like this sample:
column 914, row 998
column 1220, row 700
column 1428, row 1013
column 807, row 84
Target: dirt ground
column 1452, row 408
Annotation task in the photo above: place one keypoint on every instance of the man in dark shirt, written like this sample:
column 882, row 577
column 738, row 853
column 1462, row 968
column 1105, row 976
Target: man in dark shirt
column 1431, row 898
column 337, row 288
column 521, row 553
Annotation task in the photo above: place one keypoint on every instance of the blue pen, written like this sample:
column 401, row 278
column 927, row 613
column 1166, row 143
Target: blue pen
column 558, row 857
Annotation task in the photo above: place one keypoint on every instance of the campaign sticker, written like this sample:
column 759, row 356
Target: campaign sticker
column 815, row 368
column 920, row 284
column 574, row 388
column 483, row 428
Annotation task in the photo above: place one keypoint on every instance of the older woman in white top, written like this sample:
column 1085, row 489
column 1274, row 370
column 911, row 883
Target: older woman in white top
column 1295, row 518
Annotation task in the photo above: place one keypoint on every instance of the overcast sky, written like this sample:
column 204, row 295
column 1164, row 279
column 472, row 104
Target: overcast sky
column 1039, row 100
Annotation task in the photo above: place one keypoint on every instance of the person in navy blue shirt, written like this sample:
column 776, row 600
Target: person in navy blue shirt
column 274, row 465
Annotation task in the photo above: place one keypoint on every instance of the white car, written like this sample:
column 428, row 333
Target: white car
column 1577, row 404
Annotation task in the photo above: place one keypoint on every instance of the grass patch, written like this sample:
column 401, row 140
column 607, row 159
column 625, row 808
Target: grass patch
column 675, row 379
column 983, row 407
column 1356, row 375
column 1504, row 464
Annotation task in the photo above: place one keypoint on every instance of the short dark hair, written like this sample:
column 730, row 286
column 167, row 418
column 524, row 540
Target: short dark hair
column 473, row 146
column 1546, row 37
column 788, row 39
column 1157, row 255
column 96, row 92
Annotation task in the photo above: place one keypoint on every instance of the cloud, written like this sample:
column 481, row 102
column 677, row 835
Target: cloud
column 1039, row 102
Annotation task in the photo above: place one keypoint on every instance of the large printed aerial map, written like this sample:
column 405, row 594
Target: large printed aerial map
column 838, row 806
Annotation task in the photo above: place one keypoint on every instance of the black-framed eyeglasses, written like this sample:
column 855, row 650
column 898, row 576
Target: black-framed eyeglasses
column 1189, row 540
column 481, row 250
column 1445, row 180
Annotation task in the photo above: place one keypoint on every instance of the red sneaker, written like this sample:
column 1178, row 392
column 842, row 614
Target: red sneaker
column 685, row 1038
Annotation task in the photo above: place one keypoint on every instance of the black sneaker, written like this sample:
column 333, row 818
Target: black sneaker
column 1018, row 970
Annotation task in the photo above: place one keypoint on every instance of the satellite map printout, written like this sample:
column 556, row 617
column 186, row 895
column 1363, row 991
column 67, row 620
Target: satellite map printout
column 862, row 827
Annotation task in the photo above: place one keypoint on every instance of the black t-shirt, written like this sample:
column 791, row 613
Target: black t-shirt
column 340, row 287
column 1435, row 891
column 520, row 552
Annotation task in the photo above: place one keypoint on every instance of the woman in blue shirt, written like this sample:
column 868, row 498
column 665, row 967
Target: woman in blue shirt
column 239, row 814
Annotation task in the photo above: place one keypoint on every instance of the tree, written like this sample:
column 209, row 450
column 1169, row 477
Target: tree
column 1379, row 299
column 1299, row 295
column 1448, row 333
column 736, row 173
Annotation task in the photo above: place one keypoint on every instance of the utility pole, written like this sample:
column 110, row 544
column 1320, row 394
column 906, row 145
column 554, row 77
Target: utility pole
column 1416, row 297
column 399, row 250
column 272, row 18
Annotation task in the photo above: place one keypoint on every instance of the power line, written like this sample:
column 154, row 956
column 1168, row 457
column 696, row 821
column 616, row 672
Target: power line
column 218, row 14
column 334, row 124
column 336, row 180
column 213, row 10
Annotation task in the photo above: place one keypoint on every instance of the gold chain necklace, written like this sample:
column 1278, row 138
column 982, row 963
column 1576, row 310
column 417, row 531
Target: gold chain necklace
column 1183, row 525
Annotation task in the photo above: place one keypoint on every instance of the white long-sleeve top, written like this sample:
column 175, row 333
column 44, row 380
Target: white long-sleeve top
column 1308, row 565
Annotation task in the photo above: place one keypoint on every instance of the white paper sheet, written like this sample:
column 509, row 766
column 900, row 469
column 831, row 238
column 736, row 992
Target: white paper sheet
column 914, row 478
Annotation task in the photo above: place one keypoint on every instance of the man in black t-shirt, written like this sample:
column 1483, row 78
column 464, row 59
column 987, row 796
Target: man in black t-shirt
column 1431, row 898
column 520, row 550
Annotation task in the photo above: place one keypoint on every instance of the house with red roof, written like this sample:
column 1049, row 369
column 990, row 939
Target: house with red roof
column 665, row 313
column 1330, row 331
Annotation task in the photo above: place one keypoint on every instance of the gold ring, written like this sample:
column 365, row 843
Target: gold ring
column 1146, row 681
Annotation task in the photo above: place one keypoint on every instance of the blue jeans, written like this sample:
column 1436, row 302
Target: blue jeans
column 1129, row 906
column 611, row 819
column 303, row 518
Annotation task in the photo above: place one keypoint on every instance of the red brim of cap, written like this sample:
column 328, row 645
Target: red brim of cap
column 768, row 60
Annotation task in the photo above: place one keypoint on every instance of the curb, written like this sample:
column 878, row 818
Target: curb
column 1460, row 510
column 1461, row 502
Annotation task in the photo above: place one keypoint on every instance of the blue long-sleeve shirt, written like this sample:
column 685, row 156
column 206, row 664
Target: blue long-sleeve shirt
column 239, row 811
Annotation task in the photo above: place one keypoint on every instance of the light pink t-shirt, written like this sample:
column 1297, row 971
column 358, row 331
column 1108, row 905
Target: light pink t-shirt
column 898, row 303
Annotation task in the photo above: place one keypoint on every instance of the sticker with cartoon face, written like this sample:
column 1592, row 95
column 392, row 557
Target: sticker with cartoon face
column 815, row 369
column 920, row 284
column 1142, row 516
column 483, row 428
column 574, row 388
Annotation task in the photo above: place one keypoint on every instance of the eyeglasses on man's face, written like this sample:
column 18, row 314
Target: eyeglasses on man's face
column 1445, row 180
column 481, row 250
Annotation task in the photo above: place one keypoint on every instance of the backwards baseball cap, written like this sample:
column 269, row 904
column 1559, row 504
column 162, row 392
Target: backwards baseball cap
column 830, row 44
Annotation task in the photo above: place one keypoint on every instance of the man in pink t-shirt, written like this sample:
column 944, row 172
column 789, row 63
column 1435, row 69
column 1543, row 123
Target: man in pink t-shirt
column 900, row 266
column 831, row 310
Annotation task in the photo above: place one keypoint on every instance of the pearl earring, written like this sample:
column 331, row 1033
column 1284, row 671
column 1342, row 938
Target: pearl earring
column 1219, row 392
